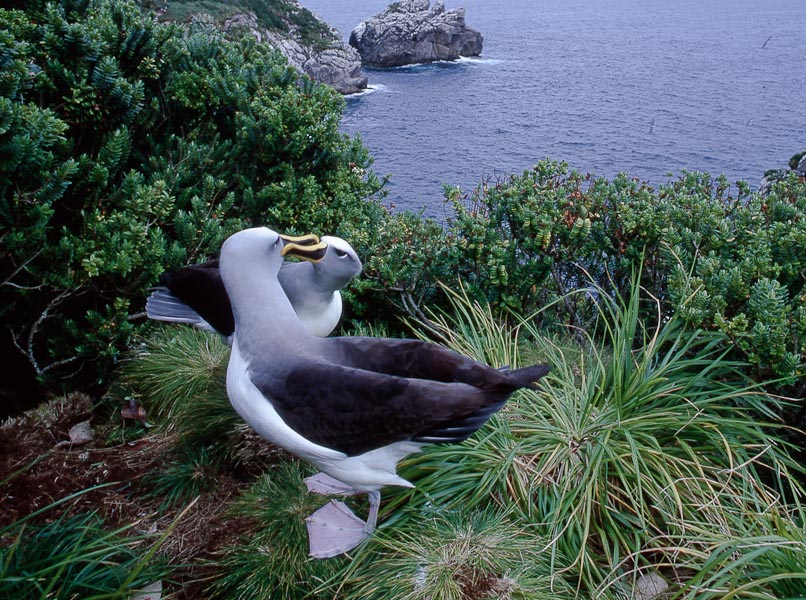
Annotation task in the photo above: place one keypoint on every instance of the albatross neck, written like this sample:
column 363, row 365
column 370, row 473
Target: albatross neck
column 265, row 321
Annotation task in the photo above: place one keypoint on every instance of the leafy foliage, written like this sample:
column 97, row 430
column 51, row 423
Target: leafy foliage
column 128, row 147
column 723, row 262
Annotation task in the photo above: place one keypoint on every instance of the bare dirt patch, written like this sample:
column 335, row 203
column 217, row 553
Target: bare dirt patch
column 40, row 466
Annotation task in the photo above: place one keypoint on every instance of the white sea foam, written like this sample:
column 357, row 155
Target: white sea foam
column 479, row 60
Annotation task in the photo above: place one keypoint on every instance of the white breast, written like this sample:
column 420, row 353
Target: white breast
column 364, row 472
column 255, row 409
column 320, row 319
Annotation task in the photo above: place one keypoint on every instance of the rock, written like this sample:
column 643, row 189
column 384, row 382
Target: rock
column 337, row 66
column 412, row 31
column 797, row 164
column 333, row 62
column 649, row 586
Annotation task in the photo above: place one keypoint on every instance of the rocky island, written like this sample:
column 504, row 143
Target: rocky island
column 413, row 31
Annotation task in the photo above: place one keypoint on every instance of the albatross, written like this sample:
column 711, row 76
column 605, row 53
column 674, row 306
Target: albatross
column 351, row 406
column 196, row 295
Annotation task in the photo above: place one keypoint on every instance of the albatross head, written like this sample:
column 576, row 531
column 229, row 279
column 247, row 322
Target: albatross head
column 339, row 265
column 262, row 249
column 252, row 258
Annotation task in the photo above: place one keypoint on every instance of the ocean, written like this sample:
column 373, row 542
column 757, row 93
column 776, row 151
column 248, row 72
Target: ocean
column 646, row 87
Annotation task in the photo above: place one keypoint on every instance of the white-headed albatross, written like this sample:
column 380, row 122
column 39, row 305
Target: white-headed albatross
column 195, row 294
column 353, row 407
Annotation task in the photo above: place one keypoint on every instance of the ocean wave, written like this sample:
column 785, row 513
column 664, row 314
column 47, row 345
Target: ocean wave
column 480, row 60
column 462, row 61
column 371, row 89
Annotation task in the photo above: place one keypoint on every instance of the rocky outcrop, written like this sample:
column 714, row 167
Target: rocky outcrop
column 412, row 31
column 338, row 66
column 330, row 61
column 797, row 164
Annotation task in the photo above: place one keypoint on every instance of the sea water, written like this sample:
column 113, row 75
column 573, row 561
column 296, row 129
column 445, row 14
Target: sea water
column 647, row 87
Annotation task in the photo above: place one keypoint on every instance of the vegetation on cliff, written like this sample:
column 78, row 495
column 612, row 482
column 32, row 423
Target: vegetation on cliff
column 275, row 15
column 130, row 147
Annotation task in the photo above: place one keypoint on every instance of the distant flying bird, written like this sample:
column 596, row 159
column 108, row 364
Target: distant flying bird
column 351, row 406
column 764, row 45
column 195, row 294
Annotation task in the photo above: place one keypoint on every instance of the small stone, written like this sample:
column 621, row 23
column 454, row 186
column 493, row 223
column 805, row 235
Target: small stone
column 150, row 592
column 649, row 586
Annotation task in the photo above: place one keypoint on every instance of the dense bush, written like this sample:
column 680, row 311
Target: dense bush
column 128, row 147
column 725, row 259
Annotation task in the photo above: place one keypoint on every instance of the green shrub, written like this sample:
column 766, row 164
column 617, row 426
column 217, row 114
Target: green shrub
column 724, row 260
column 525, row 242
column 128, row 147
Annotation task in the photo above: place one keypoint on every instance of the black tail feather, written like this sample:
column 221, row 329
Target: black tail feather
column 526, row 377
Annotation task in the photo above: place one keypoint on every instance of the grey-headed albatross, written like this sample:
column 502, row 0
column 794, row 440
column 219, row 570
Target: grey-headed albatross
column 196, row 295
column 353, row 407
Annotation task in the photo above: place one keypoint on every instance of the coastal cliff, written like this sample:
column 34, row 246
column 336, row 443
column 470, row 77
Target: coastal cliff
column 413, row 31
column 309, row 44
column 330, row 61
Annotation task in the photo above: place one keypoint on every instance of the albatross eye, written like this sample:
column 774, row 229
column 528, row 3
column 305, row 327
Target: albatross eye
column 340, row 253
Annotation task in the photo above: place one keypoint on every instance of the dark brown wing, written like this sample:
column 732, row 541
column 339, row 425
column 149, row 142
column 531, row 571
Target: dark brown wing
column 420, row 360
column 202, row 289
column 354, row 410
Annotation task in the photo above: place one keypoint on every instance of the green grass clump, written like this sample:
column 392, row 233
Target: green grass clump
column 191, row 473
column 75, row 557
column 272, row 560
column 454, row 555
column 638, row 449
column 177, row 367
column 765, row 558
column 179, row 374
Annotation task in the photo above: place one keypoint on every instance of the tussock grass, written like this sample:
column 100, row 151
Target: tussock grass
column 643, row 451
column 765, row 557
column 455, row 555
column 191, row 473
column 179, row 373
column 176, row 368
column 272, row 560
column 77, row 557
column 640, row 448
